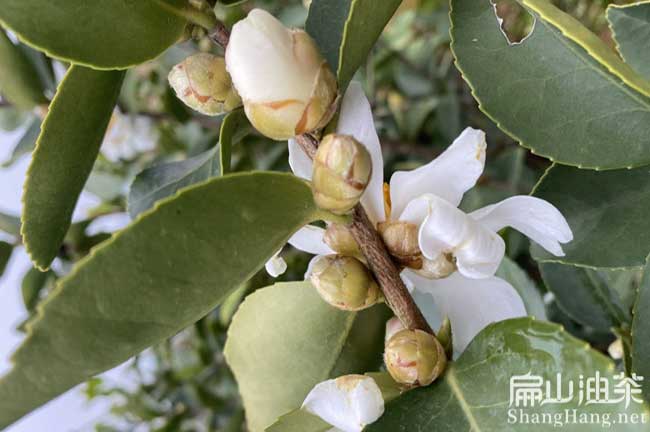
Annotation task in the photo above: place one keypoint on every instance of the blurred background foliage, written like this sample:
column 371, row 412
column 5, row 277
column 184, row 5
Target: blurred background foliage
column 420, row 103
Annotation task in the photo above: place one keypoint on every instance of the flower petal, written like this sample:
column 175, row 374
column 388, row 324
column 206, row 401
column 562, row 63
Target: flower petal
column 446, row 229
column 356, row 120
column 300, row 163
column 471, row 304
column 348, row 403
column 448, row 176
column 310, row 239
column 534, row 217
column 276, row 266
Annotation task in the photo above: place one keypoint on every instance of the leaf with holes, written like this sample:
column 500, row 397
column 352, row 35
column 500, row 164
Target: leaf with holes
column 631, row 29
column 165, row 271
column 285, row 339
column 65, row 153
column 607, row 212
column 346, row 31
column 474, row 393
column 541, row 91
column 84, row 32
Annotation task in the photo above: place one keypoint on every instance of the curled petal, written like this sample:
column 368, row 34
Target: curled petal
column 348, row 403
column 448, row 176
column 534, row 217
column 276, row 266
column 470, row 304
column 310, row 239
column 300, row 163
column 356, row 119
column 481, row 255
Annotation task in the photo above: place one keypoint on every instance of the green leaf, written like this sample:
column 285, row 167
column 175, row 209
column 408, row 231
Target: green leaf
column 641, row 333
column 19, row 80
column 346, row 31
column 169, row 268
column 26, row 144
column 474, row 394
column 285, row 339
column 607, row 211
column 512, row 273
column 161, row 181
column 10, row 224
column 66, row 150
column 33, row 284
column 541, row 91
column 111, row 34
column 631, row 29
column 586, row 296
column 5, row 255
column 233, row 128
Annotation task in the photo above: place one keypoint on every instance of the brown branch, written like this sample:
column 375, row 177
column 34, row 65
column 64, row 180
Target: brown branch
column 379, row 260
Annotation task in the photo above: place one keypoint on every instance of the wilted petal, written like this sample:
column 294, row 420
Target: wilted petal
column 276, row 265
column 448, row 176
column 534, row 217
column 471, row 304
column 310, row 239
column 300, row 163
column 348, row 403
column 356, row 119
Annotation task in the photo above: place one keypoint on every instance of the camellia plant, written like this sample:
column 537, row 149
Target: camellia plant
column 412, row 314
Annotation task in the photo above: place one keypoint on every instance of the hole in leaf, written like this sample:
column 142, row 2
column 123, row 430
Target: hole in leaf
column 515, row 21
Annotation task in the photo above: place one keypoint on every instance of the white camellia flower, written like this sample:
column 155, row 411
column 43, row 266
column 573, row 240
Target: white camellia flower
column 470, row 295
column 285, row 83
column 348, row 403
column 127, row 136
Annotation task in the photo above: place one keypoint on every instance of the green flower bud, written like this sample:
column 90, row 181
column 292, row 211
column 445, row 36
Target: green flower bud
column 401, row 239
column 414, row 357
column 342, row 168
column 338, row 237
column 344, row 282
column 202, row 83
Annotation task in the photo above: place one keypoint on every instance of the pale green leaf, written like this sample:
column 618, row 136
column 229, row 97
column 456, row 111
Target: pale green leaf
column 641, row 333
column 542, row 90
column 26, row 144
column 586, row 295
column 474, row 394
column 19, row 81
column 5, row 255
column 285, row 339
column 67, row 147
column 346, row 31
column 631, row 29
column 10, row 224
column 161, row 181
column 107, row 34
column 607, row 211
column 169, row 268
column 513, row 274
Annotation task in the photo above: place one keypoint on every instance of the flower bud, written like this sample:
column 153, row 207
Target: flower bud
column 401, row 239
column 414, row 357
column 344, row 282
column 202, row 83
column 342, row 168
column 287, row 87
column 393, row 326
column 339, row 238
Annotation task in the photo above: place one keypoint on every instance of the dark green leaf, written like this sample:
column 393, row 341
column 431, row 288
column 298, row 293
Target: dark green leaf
column 511, row 272
column 5, row 255
column 66, row 150
column 641, row 333
column 169, row 268
column 111, row 34
column 585, row 295
column 631, row 29
column 346, row 31
column 475, row 391
column 607, row 211
column 233, row 128
column 161, row 181
column 32, row 286
column 541, row 91
column 19, row 80
column 285, row 339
